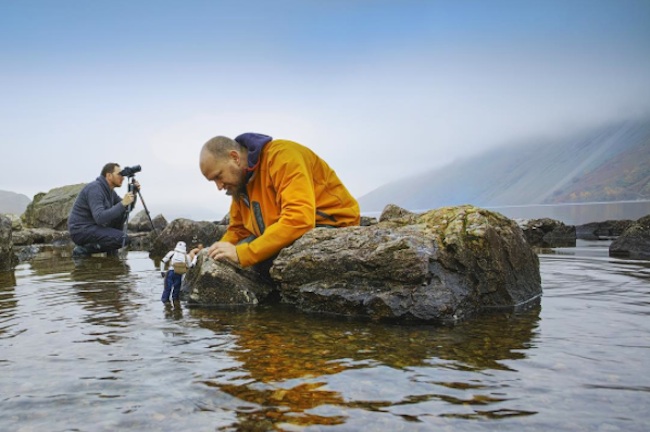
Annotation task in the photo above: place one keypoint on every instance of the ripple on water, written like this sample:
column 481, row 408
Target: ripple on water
column 90, row 344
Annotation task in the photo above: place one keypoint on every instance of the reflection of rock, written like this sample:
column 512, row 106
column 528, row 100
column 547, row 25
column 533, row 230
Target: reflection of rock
column 289, row 359
column 602, row 230
column 548, row 233
column 104, row 288
column 7, row 257
column 439, row 266
column 47, row 259
column 26, row 253
column 191, row 232
column 8, row 303
column 218, row 283
column 634, row 242
column 51, row 209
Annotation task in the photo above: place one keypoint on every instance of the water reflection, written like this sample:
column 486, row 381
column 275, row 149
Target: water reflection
column 8, row 301
column 102, row 285
column 173, row 310
column 578, row 213
column 293, row 365
column 46, row 260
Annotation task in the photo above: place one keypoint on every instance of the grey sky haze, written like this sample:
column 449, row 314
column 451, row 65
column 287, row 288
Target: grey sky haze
column 379, row 89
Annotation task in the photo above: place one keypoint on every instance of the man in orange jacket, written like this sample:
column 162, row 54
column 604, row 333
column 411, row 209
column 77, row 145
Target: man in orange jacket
column 280, row 190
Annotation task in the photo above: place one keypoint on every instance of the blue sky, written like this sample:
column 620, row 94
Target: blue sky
column 380, row 89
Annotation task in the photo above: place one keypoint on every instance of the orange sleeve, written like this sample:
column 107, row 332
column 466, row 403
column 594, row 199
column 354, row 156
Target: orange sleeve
column 236, row 230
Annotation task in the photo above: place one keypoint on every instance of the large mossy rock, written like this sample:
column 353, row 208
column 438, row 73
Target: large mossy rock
column 51, row 209
column 440, row 266
column 634, row 242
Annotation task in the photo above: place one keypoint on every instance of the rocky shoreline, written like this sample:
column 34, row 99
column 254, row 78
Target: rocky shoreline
column 439, row 266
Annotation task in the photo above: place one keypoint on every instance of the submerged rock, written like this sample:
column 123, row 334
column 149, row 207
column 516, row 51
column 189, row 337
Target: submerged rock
column 440, row 266
column 634, row 242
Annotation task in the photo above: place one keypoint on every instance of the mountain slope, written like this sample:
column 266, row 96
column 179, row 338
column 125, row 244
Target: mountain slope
column 11, row 202
column 606, row 163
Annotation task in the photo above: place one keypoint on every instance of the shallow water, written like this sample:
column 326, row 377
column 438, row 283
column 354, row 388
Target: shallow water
column 89, row 347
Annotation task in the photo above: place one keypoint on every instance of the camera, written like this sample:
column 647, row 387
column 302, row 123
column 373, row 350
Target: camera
column 130, row 171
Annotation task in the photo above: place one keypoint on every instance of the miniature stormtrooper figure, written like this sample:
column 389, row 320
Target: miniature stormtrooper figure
column 179, row 262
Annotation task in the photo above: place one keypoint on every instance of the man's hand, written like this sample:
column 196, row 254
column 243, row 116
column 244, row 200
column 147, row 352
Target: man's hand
column 195, row 251
column 223, row 250
column 128, row 199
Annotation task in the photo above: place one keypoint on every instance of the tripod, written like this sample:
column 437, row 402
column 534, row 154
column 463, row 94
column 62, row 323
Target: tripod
column 133, row 188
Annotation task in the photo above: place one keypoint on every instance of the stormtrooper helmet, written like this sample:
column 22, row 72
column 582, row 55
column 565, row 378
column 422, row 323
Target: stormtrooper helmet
column 180, row 247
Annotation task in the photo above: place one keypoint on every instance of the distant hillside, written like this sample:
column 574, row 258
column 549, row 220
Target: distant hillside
column 610, row 163
column 11, row 202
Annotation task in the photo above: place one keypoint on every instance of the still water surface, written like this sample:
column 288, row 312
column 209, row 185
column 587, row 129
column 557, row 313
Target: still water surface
column 89, row 347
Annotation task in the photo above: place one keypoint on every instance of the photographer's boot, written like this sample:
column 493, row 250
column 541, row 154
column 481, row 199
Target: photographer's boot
column 80, row 251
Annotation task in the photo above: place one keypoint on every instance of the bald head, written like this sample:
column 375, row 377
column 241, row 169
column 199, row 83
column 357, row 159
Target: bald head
column 223, row 161
column 220, row 147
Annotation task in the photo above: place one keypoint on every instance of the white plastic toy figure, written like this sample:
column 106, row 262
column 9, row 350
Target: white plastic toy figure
column 181, row 261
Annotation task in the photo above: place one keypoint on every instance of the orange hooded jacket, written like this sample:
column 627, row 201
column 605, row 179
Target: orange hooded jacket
column 290, row 191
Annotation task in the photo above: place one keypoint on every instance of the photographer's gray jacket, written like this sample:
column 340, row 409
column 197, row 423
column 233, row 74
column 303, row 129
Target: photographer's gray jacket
column 96, row 204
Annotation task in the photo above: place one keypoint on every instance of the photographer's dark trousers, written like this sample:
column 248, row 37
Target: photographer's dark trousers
column 172, row 285
column 99, row 239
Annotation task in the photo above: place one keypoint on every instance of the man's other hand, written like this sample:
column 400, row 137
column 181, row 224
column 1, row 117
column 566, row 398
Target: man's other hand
column 221, row 250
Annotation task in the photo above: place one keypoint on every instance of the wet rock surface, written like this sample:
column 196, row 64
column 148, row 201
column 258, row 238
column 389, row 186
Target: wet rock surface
column 606, row 230
column 51, row 209
column 548, row 233
column 7, row 256
column 440, row 266
column 219, row 283
column 634, row 242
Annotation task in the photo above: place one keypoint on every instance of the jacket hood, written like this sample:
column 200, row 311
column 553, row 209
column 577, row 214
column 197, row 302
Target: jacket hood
column 104, row 183
column 254, row 142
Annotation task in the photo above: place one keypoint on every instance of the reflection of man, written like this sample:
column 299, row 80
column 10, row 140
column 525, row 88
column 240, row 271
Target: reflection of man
column 98, row 215
column 280, row 190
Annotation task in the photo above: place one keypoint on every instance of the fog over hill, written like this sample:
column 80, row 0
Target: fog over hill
column 11, row 202
column 608, row 163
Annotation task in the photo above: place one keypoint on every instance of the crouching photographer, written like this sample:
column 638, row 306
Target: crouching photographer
column 98, row 215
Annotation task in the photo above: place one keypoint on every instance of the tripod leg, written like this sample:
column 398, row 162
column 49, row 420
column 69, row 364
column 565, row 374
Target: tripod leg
column 126, row 227
column 146, row 210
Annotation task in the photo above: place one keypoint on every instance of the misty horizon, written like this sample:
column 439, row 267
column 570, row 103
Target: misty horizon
column 379, row 91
